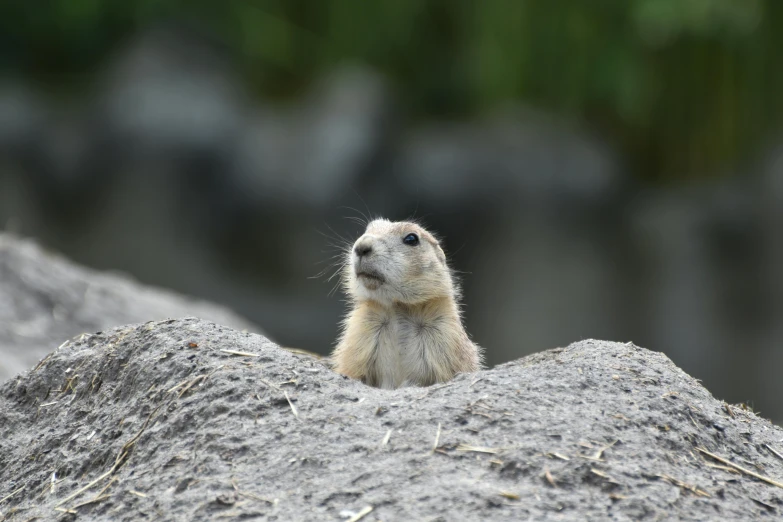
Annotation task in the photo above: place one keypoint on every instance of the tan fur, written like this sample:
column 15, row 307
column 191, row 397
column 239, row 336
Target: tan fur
column 404, row 326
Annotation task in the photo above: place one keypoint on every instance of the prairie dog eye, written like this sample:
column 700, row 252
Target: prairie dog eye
column 411, row 240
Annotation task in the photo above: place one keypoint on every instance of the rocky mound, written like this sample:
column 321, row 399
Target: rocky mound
column 45, row 299
column 188, row 420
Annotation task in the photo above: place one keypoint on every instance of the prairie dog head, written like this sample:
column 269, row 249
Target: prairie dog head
column 397, row 262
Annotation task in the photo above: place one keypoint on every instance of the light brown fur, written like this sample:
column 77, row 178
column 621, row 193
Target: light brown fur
column 404, row 326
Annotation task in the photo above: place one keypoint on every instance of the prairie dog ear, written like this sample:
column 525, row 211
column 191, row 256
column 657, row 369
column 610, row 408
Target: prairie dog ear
column 441, row 255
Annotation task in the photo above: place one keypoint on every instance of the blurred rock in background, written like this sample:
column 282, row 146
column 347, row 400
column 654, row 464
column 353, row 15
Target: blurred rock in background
column 173, row 170
column 46, row 300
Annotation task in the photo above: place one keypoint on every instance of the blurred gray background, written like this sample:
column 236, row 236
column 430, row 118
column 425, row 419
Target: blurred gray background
column 608, row 169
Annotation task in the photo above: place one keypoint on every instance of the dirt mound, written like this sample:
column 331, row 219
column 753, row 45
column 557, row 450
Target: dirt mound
column 187, row 420
column 45, row 299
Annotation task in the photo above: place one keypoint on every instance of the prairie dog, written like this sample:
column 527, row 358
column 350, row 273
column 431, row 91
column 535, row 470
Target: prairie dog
column 404, row 326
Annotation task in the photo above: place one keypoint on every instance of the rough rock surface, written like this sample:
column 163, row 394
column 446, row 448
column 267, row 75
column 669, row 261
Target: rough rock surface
column 45, row 299
column 174, row 420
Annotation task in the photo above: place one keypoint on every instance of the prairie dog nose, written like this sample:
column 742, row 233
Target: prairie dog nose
column 363, row 247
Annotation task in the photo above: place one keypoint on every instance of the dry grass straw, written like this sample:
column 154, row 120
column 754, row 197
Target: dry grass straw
column 95, row 499
column 293, row 408
column 300, row 351
column 242, row 354
column 190, row 383
column 549, row 478
column 774, row 452
column 361, row 514
column 684, row 485
column 249, row 495
column 7, row 497
column 552, row 454
column 122, row 457
column 437, row 440
column 741, row 469
column 598, row 455
column 476, row 449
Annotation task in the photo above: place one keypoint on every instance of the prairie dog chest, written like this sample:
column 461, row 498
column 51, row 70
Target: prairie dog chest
column 398, row 352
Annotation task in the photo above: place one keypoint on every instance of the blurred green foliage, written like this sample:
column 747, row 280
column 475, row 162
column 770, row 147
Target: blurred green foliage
column 685, row 88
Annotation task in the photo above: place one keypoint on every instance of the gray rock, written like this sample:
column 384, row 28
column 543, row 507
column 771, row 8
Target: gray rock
column 517, row 158
column 311, row 156
column 159, row 420
column 21, row 119
column 45, row 300
column 700, row 292
column 770, row 359
column 171, row 92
